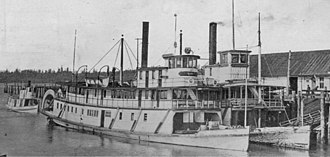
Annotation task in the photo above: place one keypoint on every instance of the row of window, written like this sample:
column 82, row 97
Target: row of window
column 92, row 113
column 95, row 113
column 153, row 74
column 145, row 117
column 185, row 62
column 112, row 93
column 235, row 58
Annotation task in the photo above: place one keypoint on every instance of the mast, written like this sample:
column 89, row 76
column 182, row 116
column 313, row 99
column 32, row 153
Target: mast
column 259, row 59
column 121, row 59
column 233, row 23
column 175, row 43
column 74, row 53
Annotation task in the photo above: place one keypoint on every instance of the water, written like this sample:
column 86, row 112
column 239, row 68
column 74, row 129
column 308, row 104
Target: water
column 23, row 134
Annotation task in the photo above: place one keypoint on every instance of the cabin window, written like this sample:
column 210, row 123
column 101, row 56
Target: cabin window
column 68, row 108
column 210, row 71
column 104, row 93
column 71, row 108
column 146, row 92
column 61, row 107
column 132, row 116
column 153, row 74
column 178, row 62
column 190, row 62
column 140, row 76
column 145, row 117
column 321, row 82
column 57, row 105
column 75, row 111
column 194, row 63
column 179, row 94
column 243, row 58
column 153, row 94
column 223, row 58
column 185, row 62
column 163, row 94
column 172, row 62
column 95, row 92
column 120, row 116
column 82, row 111
column 107, row 113
column 234, row 58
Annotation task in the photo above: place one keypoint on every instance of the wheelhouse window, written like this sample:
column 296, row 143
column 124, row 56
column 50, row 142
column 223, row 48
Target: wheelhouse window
column 234, row 58
column 244, row 58
column 190, row 62
column 178, row 62
column 185, row 62
column 223, row 58
column 321, row 82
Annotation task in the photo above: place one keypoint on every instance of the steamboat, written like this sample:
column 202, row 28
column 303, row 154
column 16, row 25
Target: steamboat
column 172, row 104
column 22, row 100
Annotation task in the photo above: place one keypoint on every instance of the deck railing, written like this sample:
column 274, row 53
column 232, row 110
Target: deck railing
column 251, row 102
column 146, row 104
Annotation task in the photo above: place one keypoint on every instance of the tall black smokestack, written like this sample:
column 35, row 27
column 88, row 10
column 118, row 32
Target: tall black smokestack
column 213, row 43
column 145, row 36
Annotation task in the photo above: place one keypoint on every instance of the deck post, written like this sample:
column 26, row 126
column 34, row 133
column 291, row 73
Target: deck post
column 294, row 105
column 299, row 107
column 259, row 118
column 324, row 129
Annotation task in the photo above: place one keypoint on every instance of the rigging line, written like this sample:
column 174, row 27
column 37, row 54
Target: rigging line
column 157, row 61
column 104, row 56
column 116, row 56
column 129, row 58
column 130, row 50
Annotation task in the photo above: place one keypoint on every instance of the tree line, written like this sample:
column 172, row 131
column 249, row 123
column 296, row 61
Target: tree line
column 53, row 76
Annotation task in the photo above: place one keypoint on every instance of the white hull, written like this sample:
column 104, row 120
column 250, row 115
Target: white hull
column 25, row 109
column 230, row 139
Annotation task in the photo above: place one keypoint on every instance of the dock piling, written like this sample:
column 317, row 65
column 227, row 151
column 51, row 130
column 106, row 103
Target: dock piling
column 324, row 129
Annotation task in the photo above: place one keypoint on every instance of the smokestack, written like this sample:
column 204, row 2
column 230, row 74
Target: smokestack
column 213, row 43
column 145, row 36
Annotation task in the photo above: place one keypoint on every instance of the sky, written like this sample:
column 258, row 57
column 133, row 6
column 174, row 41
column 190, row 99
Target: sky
column 39, row 34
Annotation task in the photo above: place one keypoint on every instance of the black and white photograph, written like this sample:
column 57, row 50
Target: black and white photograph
column 231, row 78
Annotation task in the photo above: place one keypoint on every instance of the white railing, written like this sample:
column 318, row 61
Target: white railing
column 134, row 103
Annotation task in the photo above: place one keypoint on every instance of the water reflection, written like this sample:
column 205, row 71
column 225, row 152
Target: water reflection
column 26, row 134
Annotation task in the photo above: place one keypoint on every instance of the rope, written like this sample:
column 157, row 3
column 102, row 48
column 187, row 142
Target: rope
column 129, row 58
column 114, row 65
column 130, row 50
column 104, row 56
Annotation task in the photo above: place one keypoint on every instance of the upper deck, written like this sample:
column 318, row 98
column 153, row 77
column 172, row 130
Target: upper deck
column 178, row 71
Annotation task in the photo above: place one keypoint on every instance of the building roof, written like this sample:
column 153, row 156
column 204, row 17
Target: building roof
column 302, row 63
